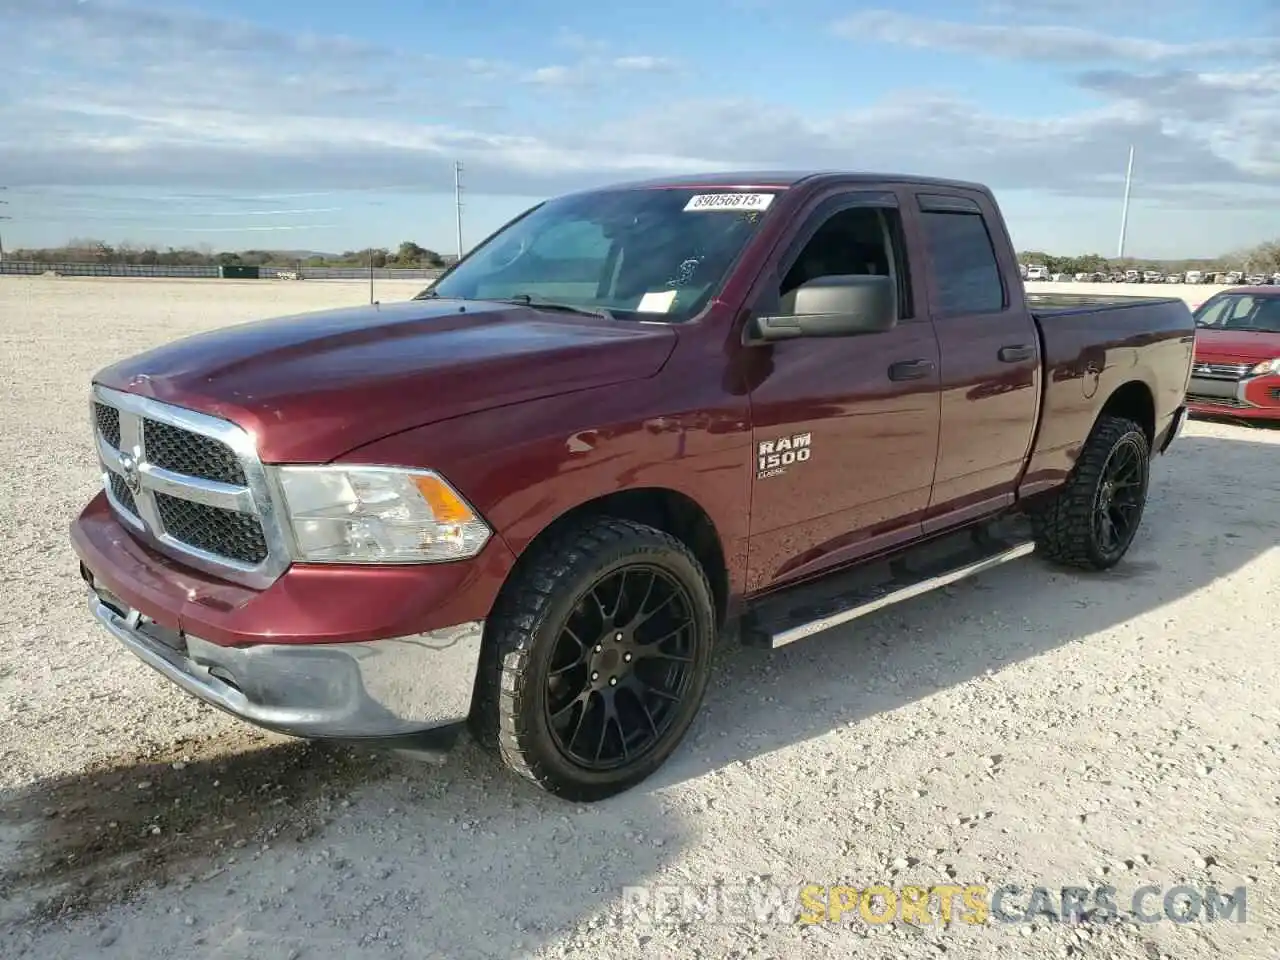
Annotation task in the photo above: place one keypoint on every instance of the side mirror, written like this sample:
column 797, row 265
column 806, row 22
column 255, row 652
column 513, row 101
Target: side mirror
column 836, row 306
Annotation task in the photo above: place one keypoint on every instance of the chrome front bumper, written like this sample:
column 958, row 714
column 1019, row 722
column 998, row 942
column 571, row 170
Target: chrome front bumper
column 383, row 689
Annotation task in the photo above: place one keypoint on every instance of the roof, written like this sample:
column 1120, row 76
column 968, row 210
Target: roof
column 1269, row 290
column 783, row 179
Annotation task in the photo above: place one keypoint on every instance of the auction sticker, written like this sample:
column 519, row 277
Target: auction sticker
column 657, row 302
column 729, row 201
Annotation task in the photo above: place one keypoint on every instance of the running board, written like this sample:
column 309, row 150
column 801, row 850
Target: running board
column 837, row 599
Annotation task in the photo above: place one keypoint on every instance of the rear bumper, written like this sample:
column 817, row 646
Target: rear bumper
column 341, row 652
column 1174, row 430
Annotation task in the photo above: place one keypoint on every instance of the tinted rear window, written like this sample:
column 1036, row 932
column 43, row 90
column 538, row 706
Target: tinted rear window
column 964, row 263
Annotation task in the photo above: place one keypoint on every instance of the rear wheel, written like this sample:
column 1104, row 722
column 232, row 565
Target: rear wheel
column 596, row 659
column 1092, row 520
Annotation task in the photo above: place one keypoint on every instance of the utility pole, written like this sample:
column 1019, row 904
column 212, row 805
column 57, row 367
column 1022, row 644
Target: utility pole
column 1124, row 211
column 2, row 217
column 457, row 200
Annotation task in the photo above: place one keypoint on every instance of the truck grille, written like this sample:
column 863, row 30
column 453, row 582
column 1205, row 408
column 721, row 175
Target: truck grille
column 213, row 529
column 190, row 453
column 189, row 485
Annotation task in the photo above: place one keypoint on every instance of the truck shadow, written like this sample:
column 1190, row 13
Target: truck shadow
column 1214, row 507
column 256, row 845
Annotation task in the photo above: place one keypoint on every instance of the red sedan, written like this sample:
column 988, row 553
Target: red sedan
column 1236, row 371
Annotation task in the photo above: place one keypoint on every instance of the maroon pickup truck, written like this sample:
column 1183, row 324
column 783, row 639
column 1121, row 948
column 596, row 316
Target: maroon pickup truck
column 630, row 422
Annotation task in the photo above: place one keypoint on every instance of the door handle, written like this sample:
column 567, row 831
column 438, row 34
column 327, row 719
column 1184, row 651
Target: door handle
column 1016, row 354
column 910, row 369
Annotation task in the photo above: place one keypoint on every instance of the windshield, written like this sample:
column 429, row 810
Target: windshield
column 648, row 254
column 1240, row 311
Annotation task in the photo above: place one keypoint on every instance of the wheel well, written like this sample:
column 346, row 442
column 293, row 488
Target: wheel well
column 1134, row 401
column 667, row 510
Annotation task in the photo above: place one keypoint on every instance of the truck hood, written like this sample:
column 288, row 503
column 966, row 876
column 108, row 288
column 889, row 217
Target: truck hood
column 313, row 386
column 1238, row 345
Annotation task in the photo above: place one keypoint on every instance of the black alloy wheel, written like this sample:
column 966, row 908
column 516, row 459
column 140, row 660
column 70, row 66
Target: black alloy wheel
column 1091, row 521
column 1121, row 496
column 596, row 658
column 620, row 667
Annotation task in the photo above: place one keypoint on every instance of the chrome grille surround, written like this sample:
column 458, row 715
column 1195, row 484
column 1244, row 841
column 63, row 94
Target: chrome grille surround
column 134, row 485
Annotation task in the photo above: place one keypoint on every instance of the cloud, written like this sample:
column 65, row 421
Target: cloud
column 644, row 64
column 176, row 102
column 1019, row 41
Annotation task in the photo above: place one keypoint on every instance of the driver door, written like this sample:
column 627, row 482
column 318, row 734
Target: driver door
column 845, row 429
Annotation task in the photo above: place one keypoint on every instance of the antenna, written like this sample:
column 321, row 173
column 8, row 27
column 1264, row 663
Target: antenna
column 457, row 199
column 1124, row 210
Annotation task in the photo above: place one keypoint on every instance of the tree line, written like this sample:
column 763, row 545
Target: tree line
column 1264, row 259
column 408, row 255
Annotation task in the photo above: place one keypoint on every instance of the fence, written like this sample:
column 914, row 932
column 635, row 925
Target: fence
column 29, row 268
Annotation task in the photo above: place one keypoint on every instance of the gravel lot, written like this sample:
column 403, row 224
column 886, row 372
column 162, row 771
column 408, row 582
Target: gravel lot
column 1027, row 727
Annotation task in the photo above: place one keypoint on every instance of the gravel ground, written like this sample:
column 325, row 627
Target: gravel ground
column 1028, row 727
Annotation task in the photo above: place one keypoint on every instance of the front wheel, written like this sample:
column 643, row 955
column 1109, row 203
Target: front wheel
column 596, row 659
column 1092, row 520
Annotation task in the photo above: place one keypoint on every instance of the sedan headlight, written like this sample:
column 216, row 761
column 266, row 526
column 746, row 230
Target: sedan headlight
column 355, row 514
column 1266, row 366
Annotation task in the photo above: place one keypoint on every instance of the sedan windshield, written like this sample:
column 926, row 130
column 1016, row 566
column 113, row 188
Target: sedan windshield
column 1241, row 311
column 647, row 254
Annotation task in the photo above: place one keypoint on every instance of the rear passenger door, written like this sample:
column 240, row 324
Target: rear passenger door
column 990, row 355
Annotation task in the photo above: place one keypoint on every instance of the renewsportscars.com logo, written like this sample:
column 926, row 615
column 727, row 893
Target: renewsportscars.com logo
column 971, row 904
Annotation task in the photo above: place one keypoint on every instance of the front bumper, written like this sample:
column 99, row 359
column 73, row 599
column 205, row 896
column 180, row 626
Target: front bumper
column 382, row 689
column 1253, row 398
column 325, row 652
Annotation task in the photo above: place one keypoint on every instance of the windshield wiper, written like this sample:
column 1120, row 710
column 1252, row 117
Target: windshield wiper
column 529, row 301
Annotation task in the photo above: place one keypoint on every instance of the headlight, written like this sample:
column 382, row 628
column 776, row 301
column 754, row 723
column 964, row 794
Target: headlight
column 1266, row 366
column 354, row 514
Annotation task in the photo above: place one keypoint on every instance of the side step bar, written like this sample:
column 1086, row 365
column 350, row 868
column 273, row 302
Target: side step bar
column 815, row 607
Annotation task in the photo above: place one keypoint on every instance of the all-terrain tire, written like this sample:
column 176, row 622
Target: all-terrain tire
column 1067, row 527
column 510, row 708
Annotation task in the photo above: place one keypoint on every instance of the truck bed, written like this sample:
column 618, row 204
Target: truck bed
column 1066, row 304
column 1109, row 343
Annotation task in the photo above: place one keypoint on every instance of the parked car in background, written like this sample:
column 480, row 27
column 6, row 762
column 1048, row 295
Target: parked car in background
column 1173, row 278
column 1236, row 371
column 1037, row 272
column 1194, row 276
column 1153, row 276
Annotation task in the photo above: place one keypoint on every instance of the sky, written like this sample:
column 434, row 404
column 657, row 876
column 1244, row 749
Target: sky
column 334, row 126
